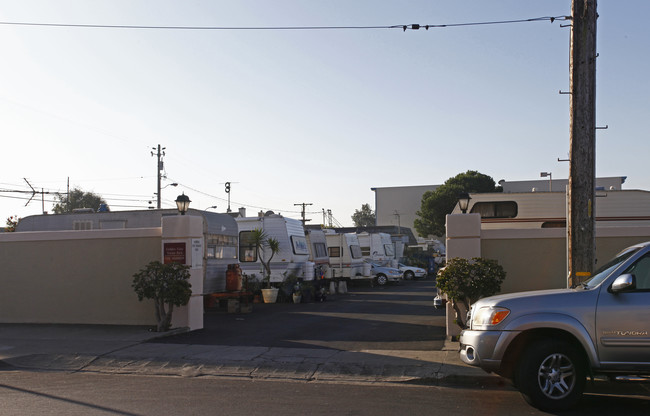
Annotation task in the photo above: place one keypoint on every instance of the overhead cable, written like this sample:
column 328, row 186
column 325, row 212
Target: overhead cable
column 279, row 28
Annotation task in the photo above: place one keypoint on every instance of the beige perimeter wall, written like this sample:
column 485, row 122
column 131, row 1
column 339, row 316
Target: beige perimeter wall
column 536, row 258
column 81, row 277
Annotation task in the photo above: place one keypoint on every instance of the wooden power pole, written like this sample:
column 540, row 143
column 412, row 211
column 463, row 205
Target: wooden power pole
column 581, row 218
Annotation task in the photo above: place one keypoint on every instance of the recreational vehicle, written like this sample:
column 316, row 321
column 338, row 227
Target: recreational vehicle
column 293, row 254
column 219, row 232
column 626, row 208
column 346, row 261
column 319, row 260
column 377, row 247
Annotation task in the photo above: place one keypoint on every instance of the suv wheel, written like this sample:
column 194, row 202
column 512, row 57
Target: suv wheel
column 550, row 375
column 381, row 279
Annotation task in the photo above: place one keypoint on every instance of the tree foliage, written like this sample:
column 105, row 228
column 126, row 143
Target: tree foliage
column 364, row 217
column 466, row 281
column 437, row 204
column 12, row 222
column 76, row 198
column 167, row 285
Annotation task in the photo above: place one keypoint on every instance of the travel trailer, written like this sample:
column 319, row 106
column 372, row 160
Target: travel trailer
column 346, row 261
column 378, row 247
column 626, row 208
column 294, row 252
column 219, row 231
column 319, row 260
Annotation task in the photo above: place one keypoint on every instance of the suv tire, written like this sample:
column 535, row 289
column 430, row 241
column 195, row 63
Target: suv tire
column 550, row 374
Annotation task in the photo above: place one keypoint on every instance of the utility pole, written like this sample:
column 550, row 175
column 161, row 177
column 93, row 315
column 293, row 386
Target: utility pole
column 304, row 220
column 399, row 224
column 159, row 168
column 581, row 218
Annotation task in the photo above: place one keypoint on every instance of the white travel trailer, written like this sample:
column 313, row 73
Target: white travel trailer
column 319, row 260
column 378, row 247
column 346, row 261
column 622, row 208
column 294, row 252
column 219, row 231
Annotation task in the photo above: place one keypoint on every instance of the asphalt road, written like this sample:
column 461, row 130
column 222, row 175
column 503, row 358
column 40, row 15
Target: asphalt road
column 63, row 393
column 393, row 317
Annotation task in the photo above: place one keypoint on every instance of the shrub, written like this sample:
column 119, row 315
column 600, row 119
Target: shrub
column 167, row 285
column 466, row 281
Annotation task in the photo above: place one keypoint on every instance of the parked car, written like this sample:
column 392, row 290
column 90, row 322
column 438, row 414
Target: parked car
column 411, row 272
column 548, row 341
column 382, row 274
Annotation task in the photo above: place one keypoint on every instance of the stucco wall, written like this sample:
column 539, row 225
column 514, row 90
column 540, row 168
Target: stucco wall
column 536, row 258
column 79, row 277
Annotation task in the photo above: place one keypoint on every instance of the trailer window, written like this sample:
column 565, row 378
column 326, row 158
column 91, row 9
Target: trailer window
column 365, row 251
column 246, row 247
column 320, row 250
column 221, row 246
column 334, row 251
column 355, row 251
column 495, row 209
column 299, row 245
column 390, row 250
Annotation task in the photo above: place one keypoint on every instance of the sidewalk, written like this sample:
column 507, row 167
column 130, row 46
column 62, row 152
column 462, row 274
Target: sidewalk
column 124, row 350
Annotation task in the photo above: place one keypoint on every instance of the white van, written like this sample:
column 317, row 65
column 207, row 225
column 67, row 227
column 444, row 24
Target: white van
column 289, row 232
column 346, row 261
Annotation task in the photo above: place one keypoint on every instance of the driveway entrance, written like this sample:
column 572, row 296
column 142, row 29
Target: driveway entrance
column 393, row 317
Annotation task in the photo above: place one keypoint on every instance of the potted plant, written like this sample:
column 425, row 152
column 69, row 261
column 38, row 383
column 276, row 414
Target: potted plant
column 297, row 293
column 261, row 241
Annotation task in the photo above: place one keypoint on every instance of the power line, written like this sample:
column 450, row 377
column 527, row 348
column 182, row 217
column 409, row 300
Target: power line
column 285, row 28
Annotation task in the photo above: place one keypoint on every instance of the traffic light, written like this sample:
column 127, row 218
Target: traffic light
column 227, row 187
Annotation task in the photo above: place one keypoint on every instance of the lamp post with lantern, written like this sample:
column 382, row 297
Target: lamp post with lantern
column 183, row 203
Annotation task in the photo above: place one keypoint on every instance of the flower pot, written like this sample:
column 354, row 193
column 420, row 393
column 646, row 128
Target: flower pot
column 297, row 297
column 270, row 295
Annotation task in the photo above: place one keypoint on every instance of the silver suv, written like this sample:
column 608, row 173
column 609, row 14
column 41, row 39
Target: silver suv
column 549, row 341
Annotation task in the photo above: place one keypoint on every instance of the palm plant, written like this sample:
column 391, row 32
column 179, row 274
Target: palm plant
column 261, row 241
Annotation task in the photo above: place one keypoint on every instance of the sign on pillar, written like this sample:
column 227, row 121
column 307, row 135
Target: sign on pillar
column 183, row 242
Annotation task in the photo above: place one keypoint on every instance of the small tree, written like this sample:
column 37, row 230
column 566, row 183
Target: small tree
column 365, row 217
column 466, row 281
column 261, row 241
column 12, row 222
column 167, row 285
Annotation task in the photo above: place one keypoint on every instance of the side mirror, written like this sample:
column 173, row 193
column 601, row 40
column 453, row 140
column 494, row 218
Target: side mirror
column 623, row 282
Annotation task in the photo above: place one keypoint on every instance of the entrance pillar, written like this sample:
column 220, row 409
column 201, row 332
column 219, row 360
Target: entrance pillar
column 464, row 241
column 182, row 241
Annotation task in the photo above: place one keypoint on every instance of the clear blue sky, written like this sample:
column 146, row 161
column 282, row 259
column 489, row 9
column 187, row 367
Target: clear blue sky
column 315, row 116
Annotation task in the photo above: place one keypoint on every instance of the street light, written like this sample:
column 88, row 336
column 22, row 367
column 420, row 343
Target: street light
column 183, row 203
column 213, row 206
column 463, row 201
column 160, row 189
column 550, row 179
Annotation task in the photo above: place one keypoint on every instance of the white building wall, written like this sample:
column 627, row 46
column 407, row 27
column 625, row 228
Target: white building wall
column 403, row 200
